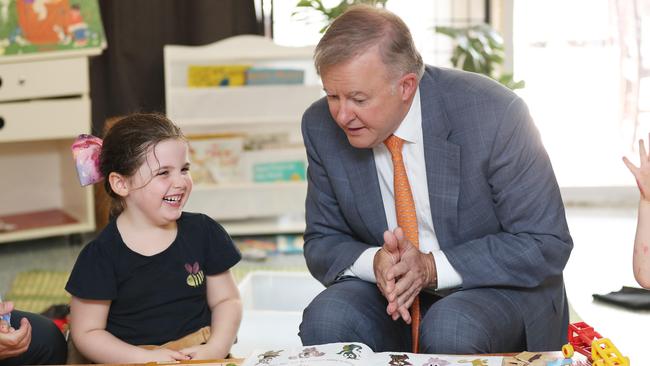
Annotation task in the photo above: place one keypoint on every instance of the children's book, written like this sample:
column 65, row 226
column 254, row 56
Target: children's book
column 358, row 354
column 45, row 26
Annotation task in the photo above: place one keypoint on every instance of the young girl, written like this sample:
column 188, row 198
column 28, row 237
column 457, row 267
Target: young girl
column 641, row 257
column 155, row 274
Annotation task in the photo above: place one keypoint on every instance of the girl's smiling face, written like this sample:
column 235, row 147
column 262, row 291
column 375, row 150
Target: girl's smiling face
column 161, row 186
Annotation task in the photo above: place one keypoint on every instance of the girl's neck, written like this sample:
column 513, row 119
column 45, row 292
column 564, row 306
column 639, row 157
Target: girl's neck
column 145, row 237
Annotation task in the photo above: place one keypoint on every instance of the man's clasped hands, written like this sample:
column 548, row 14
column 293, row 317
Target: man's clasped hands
column 402, row 271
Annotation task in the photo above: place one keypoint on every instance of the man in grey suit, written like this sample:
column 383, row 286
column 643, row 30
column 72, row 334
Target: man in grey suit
column 492, row 232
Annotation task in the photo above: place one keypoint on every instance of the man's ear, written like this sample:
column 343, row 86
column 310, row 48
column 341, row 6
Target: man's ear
column 119, row 184
column 408, row 86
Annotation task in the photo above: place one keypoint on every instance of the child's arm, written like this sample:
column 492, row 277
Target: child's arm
column 88, row 328
column 226, row 307
column 641, row 257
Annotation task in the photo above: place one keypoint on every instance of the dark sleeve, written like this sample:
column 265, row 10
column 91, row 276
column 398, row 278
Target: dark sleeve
column 93, row 276
column 220, row 251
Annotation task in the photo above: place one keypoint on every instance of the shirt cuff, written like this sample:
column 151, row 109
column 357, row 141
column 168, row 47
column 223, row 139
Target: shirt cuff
column 363, row 266
column 448, row 277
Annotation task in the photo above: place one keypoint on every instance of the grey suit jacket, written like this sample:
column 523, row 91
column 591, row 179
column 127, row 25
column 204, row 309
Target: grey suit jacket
column 495, row 203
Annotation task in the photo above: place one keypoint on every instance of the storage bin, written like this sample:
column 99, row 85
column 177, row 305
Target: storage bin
column 273, row 305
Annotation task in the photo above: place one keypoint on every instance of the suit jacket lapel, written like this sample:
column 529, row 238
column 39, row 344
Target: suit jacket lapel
column 360, row 167
column 442, row 161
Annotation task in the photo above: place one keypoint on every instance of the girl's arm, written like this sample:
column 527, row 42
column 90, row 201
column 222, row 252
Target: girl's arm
column 88, row 328
column 641, row 257
column 226, row 307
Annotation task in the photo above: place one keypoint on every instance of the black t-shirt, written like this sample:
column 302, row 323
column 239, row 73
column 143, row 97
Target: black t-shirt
column 158, row 298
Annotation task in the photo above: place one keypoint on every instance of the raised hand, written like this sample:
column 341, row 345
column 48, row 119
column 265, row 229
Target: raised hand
column 642, row 172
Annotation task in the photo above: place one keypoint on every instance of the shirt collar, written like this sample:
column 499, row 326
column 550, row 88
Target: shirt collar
column 412, row 122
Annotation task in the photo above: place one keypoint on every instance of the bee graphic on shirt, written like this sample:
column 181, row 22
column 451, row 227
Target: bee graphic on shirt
column 196, row 277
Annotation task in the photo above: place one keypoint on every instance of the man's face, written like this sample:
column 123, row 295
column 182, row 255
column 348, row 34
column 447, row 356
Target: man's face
column 365, row 100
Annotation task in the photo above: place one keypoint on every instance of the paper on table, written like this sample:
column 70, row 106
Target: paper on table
column 358, row 354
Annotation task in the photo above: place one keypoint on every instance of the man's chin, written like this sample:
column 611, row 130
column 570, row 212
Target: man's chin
column 361, row 142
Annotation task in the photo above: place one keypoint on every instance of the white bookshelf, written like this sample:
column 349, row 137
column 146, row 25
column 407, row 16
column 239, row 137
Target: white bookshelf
column 245, row 208
column 44, row 105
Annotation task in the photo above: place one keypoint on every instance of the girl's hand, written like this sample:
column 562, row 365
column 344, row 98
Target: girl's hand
column 164, row 354
column 204, row 352
column 641, row 173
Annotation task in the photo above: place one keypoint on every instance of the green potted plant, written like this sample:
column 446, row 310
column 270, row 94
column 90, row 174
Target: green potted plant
column 477, row 48
column 480, row 49
column 331, row 13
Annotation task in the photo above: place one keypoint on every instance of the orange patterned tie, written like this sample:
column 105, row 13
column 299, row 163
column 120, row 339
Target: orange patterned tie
column 406, row 218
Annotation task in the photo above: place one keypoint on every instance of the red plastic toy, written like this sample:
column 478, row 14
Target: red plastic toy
column 600, row 351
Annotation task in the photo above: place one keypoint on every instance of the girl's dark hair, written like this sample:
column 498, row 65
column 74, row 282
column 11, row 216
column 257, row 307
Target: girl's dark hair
column 126, row 145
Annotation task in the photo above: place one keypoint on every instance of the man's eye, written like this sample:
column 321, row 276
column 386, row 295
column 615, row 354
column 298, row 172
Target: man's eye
column 359, row 101
column 185, row 170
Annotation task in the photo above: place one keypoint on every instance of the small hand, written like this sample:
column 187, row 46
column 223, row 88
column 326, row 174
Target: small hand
column 204, row 352
column 386, row 257
column 641, row 173
column 14, row 342
column 415, row 271
column 165, row 354
column 5, row 308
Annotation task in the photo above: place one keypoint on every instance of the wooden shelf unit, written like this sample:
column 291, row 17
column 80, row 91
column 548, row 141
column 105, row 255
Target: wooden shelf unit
column 44, row 105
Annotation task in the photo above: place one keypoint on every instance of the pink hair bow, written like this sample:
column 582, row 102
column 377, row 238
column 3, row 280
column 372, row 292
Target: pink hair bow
column 85, row 151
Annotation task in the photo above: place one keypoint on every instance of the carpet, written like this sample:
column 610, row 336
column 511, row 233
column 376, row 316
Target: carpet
column 35, row 291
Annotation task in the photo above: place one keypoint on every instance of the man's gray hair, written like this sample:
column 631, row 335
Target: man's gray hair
column 362, row 27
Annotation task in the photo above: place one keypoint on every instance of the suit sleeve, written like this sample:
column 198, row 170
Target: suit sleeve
column 534, row 242
column 330, row 245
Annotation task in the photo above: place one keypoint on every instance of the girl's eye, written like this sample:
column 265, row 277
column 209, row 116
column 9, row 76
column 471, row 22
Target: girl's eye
column 163, row 172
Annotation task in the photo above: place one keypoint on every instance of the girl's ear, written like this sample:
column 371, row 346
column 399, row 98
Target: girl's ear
column 119, row 184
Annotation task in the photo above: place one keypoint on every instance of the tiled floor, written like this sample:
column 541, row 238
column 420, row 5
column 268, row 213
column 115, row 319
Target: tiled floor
column 600, row 263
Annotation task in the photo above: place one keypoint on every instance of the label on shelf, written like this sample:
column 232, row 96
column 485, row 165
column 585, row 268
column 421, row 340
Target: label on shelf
column 279, row 171
column 271, row 76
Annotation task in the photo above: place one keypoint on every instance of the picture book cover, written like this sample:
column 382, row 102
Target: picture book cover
column 33, row 26
column 202, row 76
column 215, row 159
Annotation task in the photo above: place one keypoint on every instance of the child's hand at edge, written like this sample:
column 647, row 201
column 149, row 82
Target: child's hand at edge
column 641, row 173
column 5, row 308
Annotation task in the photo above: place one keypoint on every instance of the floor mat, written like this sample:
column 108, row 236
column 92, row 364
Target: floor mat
column 35, row 291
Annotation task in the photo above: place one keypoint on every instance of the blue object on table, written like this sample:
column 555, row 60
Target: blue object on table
column 6, row 317
column 560, row 362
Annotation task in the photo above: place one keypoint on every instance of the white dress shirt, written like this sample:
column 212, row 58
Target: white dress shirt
column 410, row 130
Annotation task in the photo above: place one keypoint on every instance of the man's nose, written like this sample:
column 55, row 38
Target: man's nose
column 344, row 114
